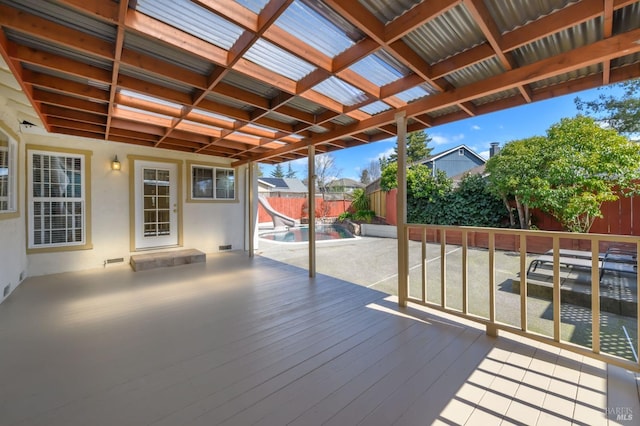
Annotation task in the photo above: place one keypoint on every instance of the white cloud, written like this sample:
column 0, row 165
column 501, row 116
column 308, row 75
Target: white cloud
column 386, row 153
column 484, row 154
column 439, row 139
column 475, row 127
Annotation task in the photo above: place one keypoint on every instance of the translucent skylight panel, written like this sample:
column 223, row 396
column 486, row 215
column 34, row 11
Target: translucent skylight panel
column 313, row 29
column 375, row 108
column 212, row 115
column 148, row 98
column 340, row 91
column 261, row 128
column 145, row 112
column 253, row 5
column 376, row 70
column 277, row 60
column 193, row 19
column 412, row 94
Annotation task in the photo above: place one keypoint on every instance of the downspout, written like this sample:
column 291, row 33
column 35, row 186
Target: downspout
column 401, row 211
column 311, row 180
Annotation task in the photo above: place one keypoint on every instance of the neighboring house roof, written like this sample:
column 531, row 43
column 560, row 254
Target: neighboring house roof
column 283, row 184
column 478, row 170
column 436, row 157
column 345, row 183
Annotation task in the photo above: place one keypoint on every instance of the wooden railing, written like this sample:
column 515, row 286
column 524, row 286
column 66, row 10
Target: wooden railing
column 558, row 253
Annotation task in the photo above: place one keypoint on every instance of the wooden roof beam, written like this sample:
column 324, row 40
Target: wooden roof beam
column 117, row 54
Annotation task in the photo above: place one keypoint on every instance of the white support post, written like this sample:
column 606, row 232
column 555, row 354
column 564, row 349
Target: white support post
column 311, row 179
column 401, row 210
column 251, row 222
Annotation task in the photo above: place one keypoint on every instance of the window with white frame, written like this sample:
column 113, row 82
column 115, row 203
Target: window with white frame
column 8, row 174
column 57, row 211
column 212, row 183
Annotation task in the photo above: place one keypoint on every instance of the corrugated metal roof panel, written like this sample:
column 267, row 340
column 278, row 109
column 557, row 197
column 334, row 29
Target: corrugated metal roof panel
column 338, row 21
column 229, row 101
column 273, row 58
column 281, row 117
column 254, row 5
column 625, row 60
column 167, row 53
column 318, row 129
column 65, row 16
column 475, row 72
column 145, row 112
column 326, row 37
column 306, row 105
column 192, row 19
column 155, row 79
column 496, row 97
column 375, row 69
column 212, row 115
column 153, row 99
column 563, row 78
column 626, row 18
column 57, row 49
column 250, row 85
column 375, row 108
column 343, row 120
column 341, row 91
column 373, row 132
column 388, row 10
column 412, row 94
column 563, row 41
column 444, row 111
column 512, row 14
column 448, row 34
column 65, row 76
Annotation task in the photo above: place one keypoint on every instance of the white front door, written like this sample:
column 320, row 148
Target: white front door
column 156, row 204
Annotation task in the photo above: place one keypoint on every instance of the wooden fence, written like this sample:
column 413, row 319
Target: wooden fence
column 297, row 208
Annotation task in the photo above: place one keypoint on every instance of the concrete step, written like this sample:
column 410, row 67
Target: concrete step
column 144, row 262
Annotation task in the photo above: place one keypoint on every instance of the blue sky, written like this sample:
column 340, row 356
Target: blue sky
column 476, row 132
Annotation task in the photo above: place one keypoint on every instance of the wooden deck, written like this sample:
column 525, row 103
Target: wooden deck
column 244, row 341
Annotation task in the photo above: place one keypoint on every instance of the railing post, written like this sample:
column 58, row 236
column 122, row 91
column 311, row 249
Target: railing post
column 311, row 179
column 523, row 282
column 556, row 289
column 465, row 272
column 443, row 268
column 595, row 296
column 424, row 265
column 492, row 329
column 401, row 210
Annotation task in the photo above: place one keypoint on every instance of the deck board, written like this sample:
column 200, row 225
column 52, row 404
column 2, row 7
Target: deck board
column 241, row 341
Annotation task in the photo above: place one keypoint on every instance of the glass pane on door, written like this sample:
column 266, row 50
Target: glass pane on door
column 156, row 202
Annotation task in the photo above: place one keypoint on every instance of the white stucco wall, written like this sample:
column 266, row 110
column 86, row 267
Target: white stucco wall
column 206, row 226
column 13, row 257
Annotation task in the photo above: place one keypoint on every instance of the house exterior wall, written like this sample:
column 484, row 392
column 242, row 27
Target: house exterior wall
column 205, row 225
column 454, row 163
column 13, row 256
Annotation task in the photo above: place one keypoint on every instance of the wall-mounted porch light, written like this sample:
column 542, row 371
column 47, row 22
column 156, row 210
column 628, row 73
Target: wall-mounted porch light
column 115, row 164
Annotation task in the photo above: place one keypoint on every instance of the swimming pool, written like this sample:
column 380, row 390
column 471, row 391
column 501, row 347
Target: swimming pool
column 298, row 235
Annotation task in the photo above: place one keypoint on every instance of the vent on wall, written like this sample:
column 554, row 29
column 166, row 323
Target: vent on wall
column 222, row 248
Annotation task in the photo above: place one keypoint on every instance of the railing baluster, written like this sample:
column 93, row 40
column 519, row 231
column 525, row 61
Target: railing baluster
column 443, row 268
column 556, row 289
column 595, row 295
column 523, row 282
column 637, row 302
column 465, row 272
column 492, row 277
column 424, row 265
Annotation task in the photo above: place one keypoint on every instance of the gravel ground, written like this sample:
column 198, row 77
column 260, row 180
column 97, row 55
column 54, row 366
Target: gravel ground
column 372, row 262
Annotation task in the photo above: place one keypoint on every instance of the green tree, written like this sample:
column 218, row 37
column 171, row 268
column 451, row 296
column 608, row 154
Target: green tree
column 584, row 166
column 290, row 172
column 621, row 113
column 364, row 177
column 277, row 172
column 417, row 148
column 512, row 176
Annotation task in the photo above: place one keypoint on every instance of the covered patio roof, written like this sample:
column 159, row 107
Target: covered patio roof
column 261, row 80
